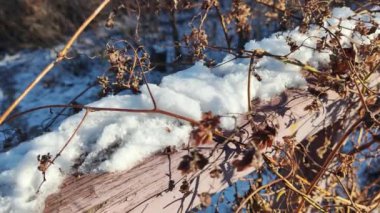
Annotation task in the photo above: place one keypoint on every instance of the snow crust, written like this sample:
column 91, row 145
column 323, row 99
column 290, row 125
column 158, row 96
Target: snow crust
column 118, row 141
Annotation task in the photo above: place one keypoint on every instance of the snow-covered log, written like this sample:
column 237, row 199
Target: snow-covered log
column 144, row 188
column 113, row 150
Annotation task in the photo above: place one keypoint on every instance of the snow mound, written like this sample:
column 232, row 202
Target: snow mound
column 118, row 141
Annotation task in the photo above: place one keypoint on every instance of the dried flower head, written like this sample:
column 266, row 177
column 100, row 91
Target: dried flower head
column 204, row 132
column 241, row 14
column 128, row 65
column 185, row 187
column 197, row 42
column 44, row 162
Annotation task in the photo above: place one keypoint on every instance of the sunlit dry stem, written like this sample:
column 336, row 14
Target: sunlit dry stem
column 330, row 158
column 61, row 56
column 250, row 196
column 348, row 132
column 347, row 193
column 203, row 18
column 250, row 70
column 293, row 188
column 328, row 195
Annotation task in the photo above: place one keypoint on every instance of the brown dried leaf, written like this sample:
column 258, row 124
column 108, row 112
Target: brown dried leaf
column 215, row 173
column 365, row 30
column 185, row 165
column 203, row 134
column 44, row 162
column 264, row 136
column 185, row 187
column 245, row 162
column 192, row 163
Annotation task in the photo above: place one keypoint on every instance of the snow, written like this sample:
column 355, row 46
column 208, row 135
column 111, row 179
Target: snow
column 118, row 141
column 1, row 95
column 9, row 59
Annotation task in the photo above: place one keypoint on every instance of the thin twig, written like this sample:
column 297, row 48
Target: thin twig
column 63, row 148
column 347, row 193
column 222, row 22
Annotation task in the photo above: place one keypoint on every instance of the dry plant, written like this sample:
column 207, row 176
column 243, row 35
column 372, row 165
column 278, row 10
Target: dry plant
column 128, row 66
column 297, row 169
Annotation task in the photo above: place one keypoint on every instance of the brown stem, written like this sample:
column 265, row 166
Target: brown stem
column 222, row 22
column 157, row 111
column 175, row 34
column 250, row 70
column 146, row 82
column 365, row 146
column 51, row 122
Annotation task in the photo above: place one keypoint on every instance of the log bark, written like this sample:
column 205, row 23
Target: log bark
column 145, row 188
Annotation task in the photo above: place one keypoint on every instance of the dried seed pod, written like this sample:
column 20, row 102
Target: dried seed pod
column 185, row 187
column 192, row 163
column 197, row 42
column 44, row 162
